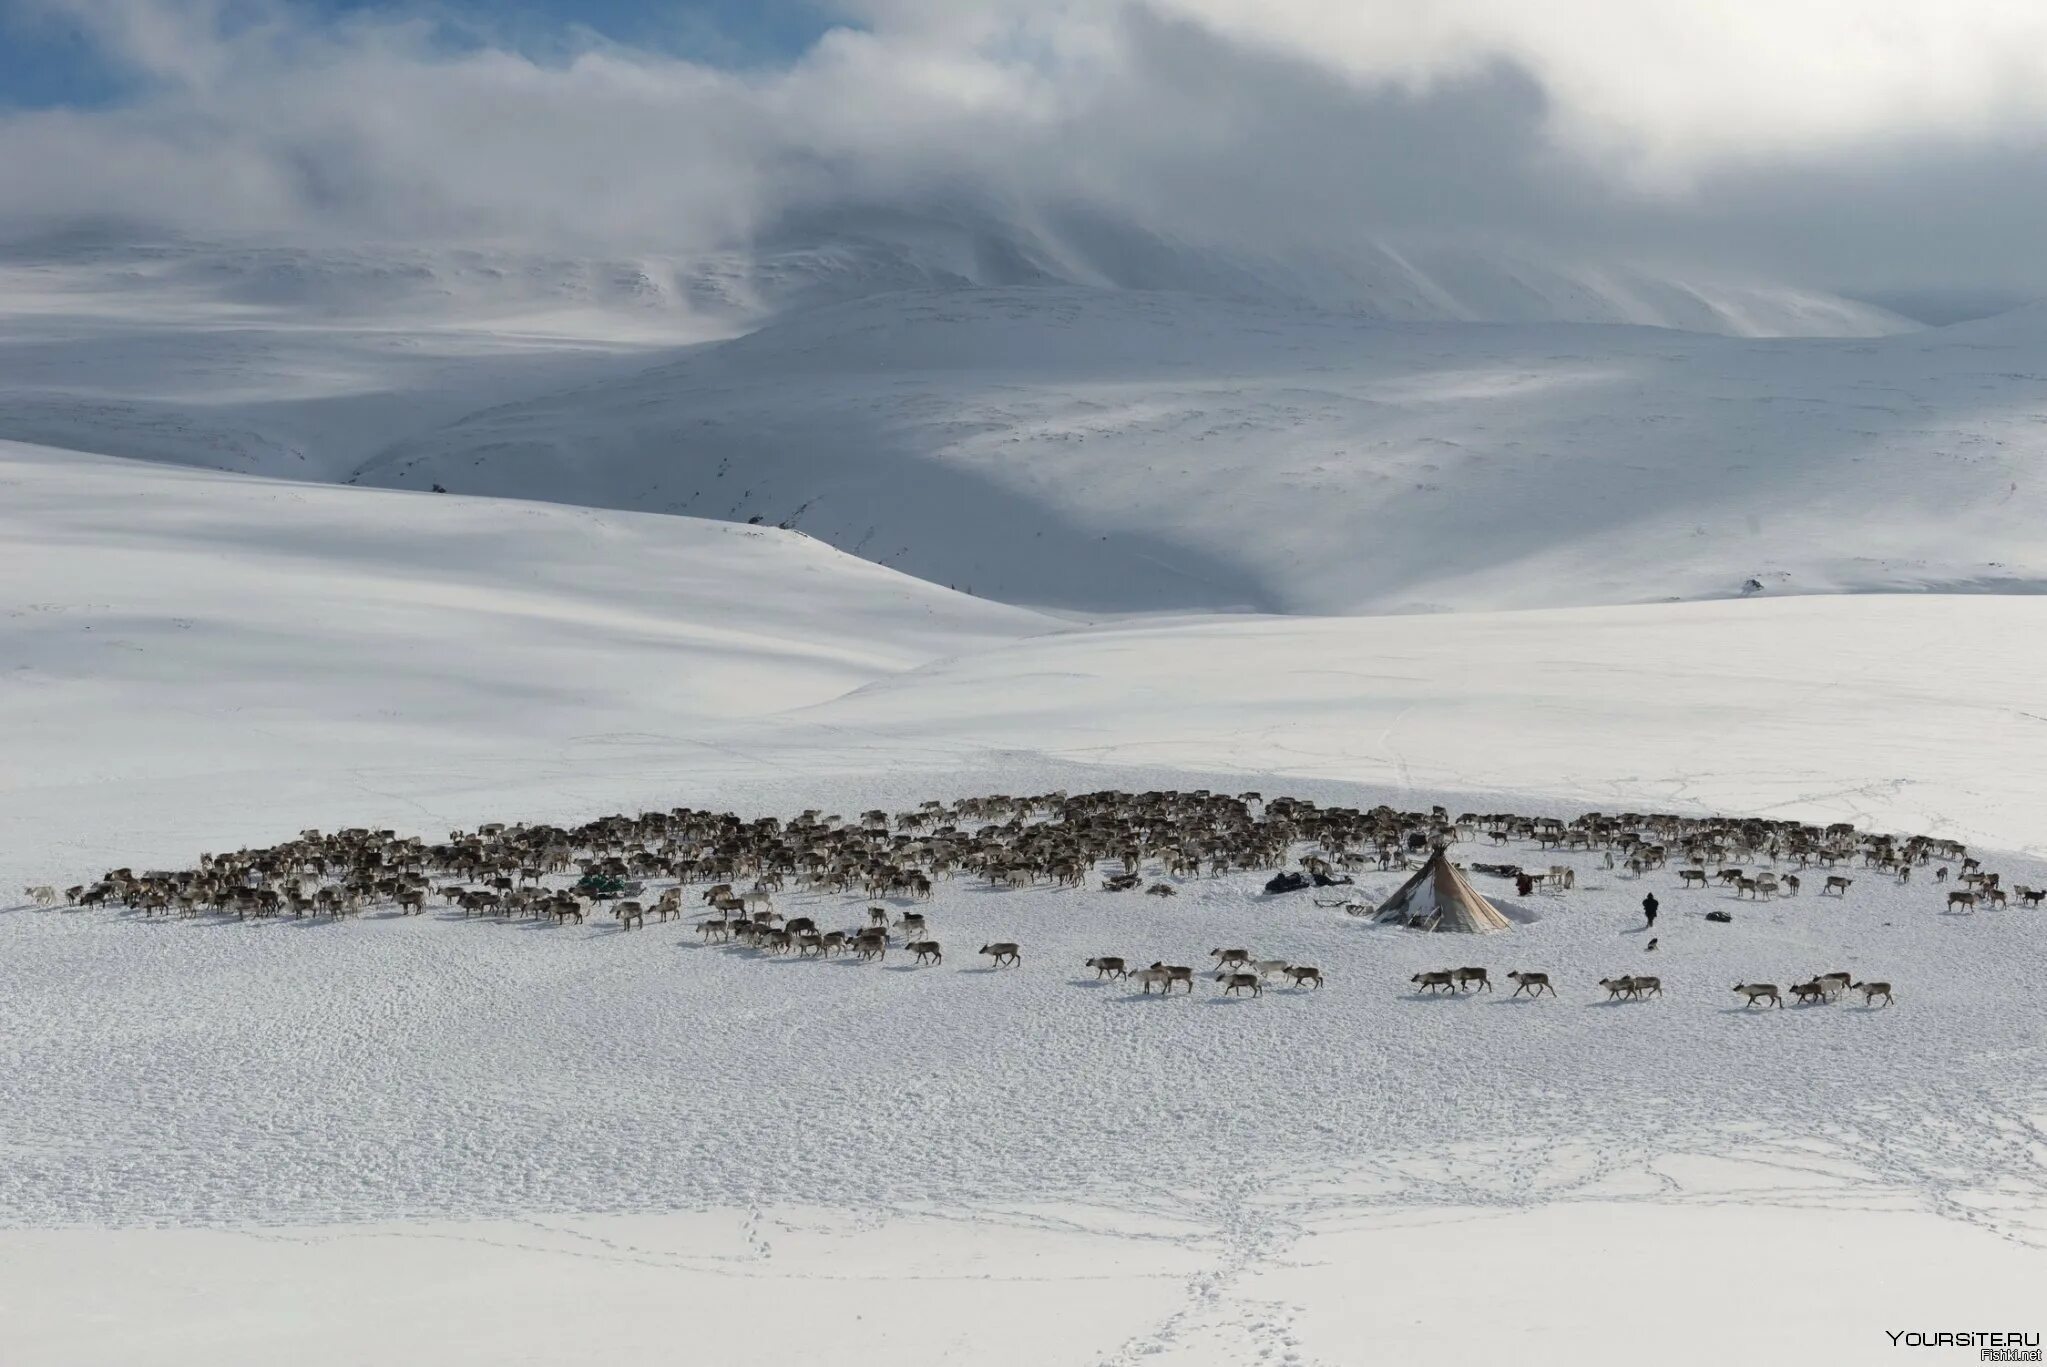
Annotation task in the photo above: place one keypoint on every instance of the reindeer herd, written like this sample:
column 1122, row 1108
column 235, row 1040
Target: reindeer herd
column 568, row 874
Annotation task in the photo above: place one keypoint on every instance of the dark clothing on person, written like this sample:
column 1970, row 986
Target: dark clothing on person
column 1649, row 905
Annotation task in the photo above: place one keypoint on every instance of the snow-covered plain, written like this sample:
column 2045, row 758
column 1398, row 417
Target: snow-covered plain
column 466, row 1142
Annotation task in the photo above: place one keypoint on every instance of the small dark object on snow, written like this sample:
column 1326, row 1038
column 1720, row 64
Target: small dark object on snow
column 1652, row 944
column 1499, row 870
column 1121, row 882
column 1323, row 880
column 1720, row 916
column 606, row 885
column 1287, row 882
column 439, row 490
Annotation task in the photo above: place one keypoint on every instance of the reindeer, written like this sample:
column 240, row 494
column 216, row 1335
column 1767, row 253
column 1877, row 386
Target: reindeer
column 630, row 914
column 1177, row 973
column 926, row 949
column 1303, row 974
column 1751, row 993
column 1534, row 984
column 1162, row 978
column 1466, row 977
column 1687, row 878
column 1871, row 991
column 1837, row 885
column 1002, row 950
column 1966, row 900
column 1443, row 981
column 1240, row 982
column 1107, row 966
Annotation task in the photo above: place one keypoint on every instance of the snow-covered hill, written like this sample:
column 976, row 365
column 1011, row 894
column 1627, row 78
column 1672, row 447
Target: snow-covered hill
column 188, row 635
column 1110, row 450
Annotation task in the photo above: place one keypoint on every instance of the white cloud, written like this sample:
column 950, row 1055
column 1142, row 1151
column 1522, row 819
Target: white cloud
column 1640, row 124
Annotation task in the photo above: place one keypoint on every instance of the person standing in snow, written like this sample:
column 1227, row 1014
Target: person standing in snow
column 1649, row 905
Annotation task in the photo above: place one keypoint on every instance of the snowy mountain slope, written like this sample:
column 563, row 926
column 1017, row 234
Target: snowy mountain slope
column 1141, row 451
column 306, row 361
column 853, row 252
column 293, row 364
column 193, row 633
column 849, row 251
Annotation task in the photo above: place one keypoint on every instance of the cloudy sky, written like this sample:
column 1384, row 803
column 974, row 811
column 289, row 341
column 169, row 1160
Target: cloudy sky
column 1873, row 145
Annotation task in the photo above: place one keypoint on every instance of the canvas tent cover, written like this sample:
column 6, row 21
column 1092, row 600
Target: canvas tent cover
column 1439, row 898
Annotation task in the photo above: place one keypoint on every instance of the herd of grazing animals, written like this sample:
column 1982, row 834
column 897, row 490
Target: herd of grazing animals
column 502, row 872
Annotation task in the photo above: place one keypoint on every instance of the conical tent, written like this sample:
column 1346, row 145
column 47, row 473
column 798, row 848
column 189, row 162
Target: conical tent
column 1439, row 898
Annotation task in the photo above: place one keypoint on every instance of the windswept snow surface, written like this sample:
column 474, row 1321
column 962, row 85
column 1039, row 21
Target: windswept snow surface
column 1126, row 451
column 968, row 1165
